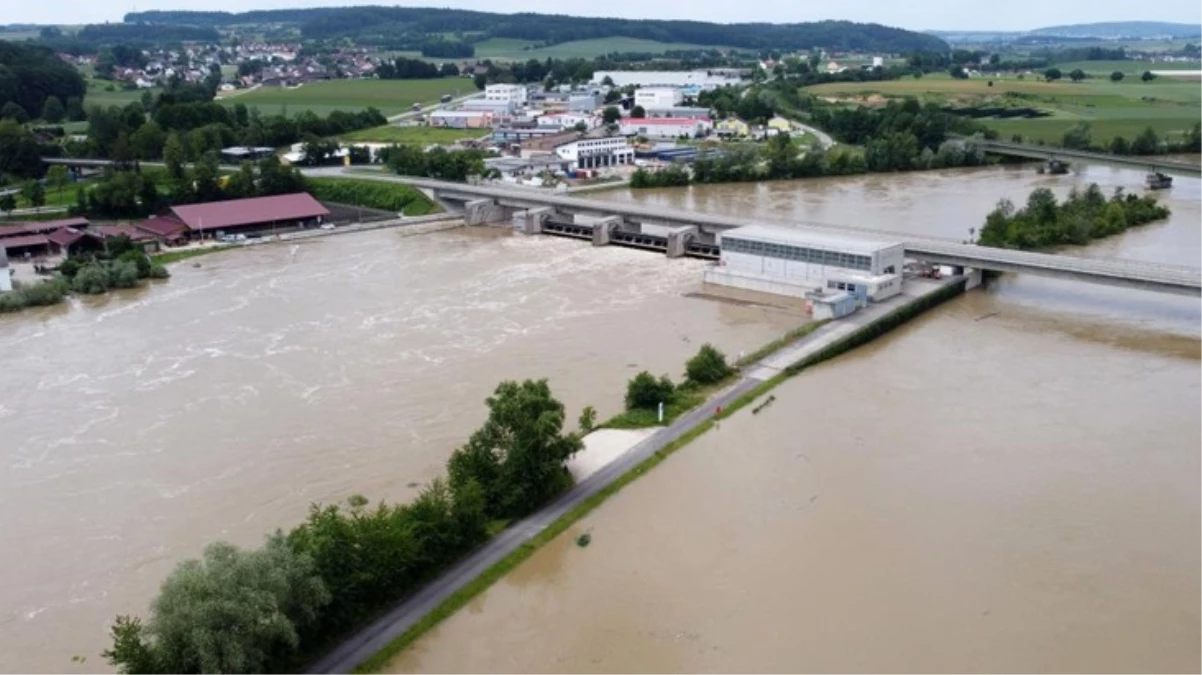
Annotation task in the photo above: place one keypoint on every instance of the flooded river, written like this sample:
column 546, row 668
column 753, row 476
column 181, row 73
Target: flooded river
column 1008, row 484
column 137, row 427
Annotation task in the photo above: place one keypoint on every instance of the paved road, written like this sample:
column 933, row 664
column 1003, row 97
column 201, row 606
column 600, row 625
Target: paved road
column 374, row 637
column 437, row 106
column 824, row 139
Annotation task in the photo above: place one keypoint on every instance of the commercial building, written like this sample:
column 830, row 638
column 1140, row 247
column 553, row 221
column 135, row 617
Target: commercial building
column 665, row 127
column 589, row 153
column 658, row 97
column 584, row 102
column 794, row 262
column 510, row 93
column 569, row 120
column 494, row 108
column 460, row 119
column 704, row 79
column 679, row 111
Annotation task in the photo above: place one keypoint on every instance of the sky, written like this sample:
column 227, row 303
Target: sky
column 912, row 14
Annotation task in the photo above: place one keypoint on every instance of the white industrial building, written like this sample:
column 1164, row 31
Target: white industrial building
column 590, row 153
column 658, row 97
column 510, row 93
column 705, row 79
column 665, row 127
column 568, row 120
column 794, row 262
column 460, row 119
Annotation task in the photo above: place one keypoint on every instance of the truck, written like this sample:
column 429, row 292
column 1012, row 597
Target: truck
column 417, row 107
column 446, row 98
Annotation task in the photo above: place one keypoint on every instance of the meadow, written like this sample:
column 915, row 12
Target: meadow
column 512, row 49
column 98, row 94
column 415, row 135
column 389, row 96
column 1171, row 106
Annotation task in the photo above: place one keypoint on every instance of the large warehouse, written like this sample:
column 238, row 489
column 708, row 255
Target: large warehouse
column 792, row 262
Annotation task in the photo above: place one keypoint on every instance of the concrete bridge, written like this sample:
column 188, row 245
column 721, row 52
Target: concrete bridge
column 689, row 233
column 1147, row 162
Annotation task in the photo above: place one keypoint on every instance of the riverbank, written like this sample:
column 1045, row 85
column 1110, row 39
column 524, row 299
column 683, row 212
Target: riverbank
column 375, row 645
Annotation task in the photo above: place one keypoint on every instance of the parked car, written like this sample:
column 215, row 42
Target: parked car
column 327, row 226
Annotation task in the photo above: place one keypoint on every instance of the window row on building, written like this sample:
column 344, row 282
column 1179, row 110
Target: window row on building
column 812, row 256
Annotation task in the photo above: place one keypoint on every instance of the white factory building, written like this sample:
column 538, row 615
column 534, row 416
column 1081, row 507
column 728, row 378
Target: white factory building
column 658, row 97
column 665, row 127
column 795, row 262
column 507, row 93
column 590, row 153
column 705, row 79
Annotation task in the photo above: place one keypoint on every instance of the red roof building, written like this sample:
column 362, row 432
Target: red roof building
column 41, row 227
column 135, row 234
column 254, row 212
column 164, row 227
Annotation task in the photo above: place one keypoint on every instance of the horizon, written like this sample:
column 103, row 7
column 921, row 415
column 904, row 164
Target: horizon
column 919, row 16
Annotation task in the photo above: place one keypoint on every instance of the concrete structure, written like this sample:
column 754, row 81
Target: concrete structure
column 584, row 103
column 658, row 97
column 685, row 112
column 516, row 94
column 664, row 127
column 705, row 79
column 589, row 153
column 460, row 119
column 494, row 108
column 569, row 120
column 1152, row 163
column 515, row 169
column 830, row 304
column 792, row 262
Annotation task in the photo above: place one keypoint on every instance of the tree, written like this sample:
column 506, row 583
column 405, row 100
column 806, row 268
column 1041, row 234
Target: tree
column 174, row 156
column 588, row 419
column 1116, row 76
column 20, row 156
column 7, row 203
column 13, row 111
column 1148, row 76
column 1077, row 75
column 1146, row 143
column 148, row 141
column 204, row 178
column 57, row 177
column 611, row 115
column 644, row 391
column 638, row 112
column 1052, row 74
column 607, row 81
column 580, row 127
column 53, row 110
column 1078, row 137
column 707, row 366
column 957, row 72
column 613, row 96
column 34, row 193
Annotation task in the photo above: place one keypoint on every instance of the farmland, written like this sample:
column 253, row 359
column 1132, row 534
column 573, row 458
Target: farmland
column 415, row 135
column 389, row 96
column 1170, row 106
column 98, row 94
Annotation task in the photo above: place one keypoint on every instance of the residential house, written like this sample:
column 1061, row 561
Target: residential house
column 732, row 127
column 780, row 124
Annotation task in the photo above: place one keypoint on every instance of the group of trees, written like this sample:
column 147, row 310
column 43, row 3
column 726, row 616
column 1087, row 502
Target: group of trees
column 929, row 124
column 265, row 609
column 31, row 75
column 1081, row 218
column 550, row 72
column 440, row 163
column 119, row 264
column 1148, row 142
column 448, row 49
column 20, row 153
column 402, row 68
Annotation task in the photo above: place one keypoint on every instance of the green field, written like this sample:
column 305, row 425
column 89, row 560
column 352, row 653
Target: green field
column 97, row 94
column 413, row 135
column 588, row 49
column 494, row 48
column 389, row 96
column 1128, row 68
column 1168, row 105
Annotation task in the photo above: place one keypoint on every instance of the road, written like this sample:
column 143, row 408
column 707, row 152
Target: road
column 392, row 119
column 387, row 628
column 824, row 139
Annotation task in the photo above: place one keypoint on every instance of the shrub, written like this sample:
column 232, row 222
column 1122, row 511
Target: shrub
column 707, row 366
column 644, row 391
column 123, row 274
column 91, row 279
column 139, row 258
column 158, row 272
column 588, row 419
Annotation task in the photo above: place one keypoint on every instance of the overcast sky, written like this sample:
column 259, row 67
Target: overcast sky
column 912, row 14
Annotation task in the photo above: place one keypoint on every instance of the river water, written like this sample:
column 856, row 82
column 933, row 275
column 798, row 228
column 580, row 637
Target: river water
column 137, row 427
column 1009, row 483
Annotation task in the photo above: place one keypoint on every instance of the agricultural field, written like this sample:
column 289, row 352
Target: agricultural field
column 1170, row 106
column 98, row 94
column 588, row 49
column 413, row 135
column 1128, row 68
column 389, row 96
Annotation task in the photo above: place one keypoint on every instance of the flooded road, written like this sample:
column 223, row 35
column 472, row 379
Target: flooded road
column 137, row 427
column 1009, row 483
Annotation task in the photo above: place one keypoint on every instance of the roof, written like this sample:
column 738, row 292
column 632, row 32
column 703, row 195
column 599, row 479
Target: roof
column 795, row 236
column 163, row 226
column 253, row 211
column 654, row 121
column 41, row 227
column 65, row 236
column 27, row 240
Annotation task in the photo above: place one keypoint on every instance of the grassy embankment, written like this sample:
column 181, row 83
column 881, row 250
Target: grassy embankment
column 371, row 194
column 481, row 583
column 1169, row 105
column 388, row 96
column 176, row 255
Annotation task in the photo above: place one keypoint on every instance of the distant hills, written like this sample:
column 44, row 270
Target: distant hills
column 1110, row 30
column 401, row 25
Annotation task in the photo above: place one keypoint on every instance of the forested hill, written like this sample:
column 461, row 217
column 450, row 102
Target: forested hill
column 1123, row 29
column 379, row 23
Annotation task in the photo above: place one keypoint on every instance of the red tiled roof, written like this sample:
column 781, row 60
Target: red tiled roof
column 163, row 226
column 65, row 236
column 652, row 121
column 41, row 227
column 130, row 231
column 253, row 211
column 27, row 240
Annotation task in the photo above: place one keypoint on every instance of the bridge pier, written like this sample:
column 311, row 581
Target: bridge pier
column 678, row 239
column 603, row 227
column 531, row 221
column 483, row 212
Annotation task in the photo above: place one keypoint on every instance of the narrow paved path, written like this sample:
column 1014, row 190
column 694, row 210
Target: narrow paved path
column 824, row 139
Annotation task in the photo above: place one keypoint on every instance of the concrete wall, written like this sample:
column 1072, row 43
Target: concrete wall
column 724, row 276
column 483, row 212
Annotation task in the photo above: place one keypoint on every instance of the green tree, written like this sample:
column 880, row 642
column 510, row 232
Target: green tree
column 1078, row 137
column 588, row 419
column 204, row 178
column 148, row 141
column 20, row 156
column 53, row 110
column 242, row 184
column 638, row 112
column 1117, row 76
column 613, row 96
column 645, row 391
column 1076, row 75
column 707, row 366
column 611, row 115
column 580, row 127
column 131, row 651
column 34, row 193
column 8, row 203
column 1146, row 143
column 12, row 110
column 1052, row 74
column 957, row 73
column 175, row 156
column 57, row 176
column 1148, row 76
column 781, row 156
column 92, row 279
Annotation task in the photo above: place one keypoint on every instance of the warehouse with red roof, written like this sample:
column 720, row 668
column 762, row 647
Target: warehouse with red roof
column 255, row 213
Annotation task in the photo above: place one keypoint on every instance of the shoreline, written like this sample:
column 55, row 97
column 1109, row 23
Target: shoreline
column 378, row 642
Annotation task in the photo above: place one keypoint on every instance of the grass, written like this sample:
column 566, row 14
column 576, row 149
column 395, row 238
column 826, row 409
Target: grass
column 412, row 135
column 1128, row 68
column 588, row 49
column 169, row 257
column 498, row 48
column 687, row 397
column 389, row 96
column 98, row 94
column 395, row 197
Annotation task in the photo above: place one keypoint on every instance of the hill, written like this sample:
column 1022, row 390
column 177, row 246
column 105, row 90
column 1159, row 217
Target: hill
column 1137, row 30
column 400, row 25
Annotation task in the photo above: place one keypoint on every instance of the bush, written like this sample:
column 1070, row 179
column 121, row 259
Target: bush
column 588, row 419
column 158, row 272
column 140, row 260
column 123, row 274
column 707, row 366
column 644, row 391
column 372, row 195
column 91, row 279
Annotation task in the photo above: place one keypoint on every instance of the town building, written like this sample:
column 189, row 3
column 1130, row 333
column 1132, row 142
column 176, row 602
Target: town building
column 584, row 103
column 679, row 111
column 780, row 124
column 256, row 213
column 527, row 170
column 705, row 79
column 519, row 132
column 590, row 153
column 665, row 127
column 496, row 108
column 658, row 97
column 511, row 93
column 732, row 127
column 793, row 262
column 460, row 119
column 569, row 120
